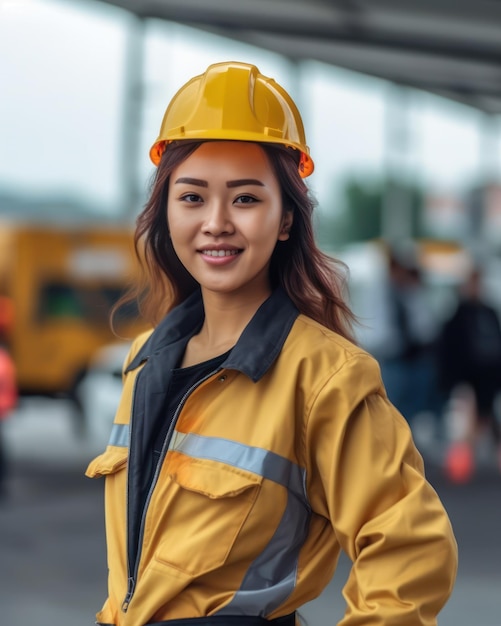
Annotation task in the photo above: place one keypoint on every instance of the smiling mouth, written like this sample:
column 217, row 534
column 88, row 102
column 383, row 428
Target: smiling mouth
column 220, row 253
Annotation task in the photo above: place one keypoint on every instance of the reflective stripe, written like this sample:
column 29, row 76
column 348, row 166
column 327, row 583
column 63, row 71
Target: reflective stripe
column 257, row 460
column 119, row 435
column 271, row 577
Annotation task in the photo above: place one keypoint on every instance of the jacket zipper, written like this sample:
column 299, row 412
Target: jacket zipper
column 132, row 579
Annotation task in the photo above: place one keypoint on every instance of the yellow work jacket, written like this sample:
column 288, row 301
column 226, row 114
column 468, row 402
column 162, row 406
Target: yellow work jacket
column 285, row 455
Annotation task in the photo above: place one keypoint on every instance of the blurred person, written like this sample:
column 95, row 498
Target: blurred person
column 470, row 372
column 8, row 385
column 408, row 358
column 254, row 440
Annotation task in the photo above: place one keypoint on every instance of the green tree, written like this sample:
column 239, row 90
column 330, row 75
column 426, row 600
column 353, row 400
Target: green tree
column 361, row 217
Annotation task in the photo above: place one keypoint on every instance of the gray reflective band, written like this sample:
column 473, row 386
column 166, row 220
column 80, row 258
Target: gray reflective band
column 271, row 577
column 119, row 435
column 257, row 460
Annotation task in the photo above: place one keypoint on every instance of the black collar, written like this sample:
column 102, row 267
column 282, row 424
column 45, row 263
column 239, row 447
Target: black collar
column 257, row 348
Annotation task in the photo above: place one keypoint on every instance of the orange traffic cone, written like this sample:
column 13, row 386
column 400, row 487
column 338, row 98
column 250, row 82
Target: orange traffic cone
column 459, row 462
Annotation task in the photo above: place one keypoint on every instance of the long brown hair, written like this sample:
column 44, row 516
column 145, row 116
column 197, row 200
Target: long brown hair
column 314, row 281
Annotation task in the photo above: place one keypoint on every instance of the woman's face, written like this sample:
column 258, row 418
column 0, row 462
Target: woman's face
column 225, row 217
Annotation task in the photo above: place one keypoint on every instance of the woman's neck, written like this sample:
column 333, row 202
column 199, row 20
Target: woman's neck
column 225, row 320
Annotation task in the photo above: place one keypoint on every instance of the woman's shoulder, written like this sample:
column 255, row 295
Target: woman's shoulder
column 136, row 346
column 326, row 358
column 310, row 339
column 316, row 337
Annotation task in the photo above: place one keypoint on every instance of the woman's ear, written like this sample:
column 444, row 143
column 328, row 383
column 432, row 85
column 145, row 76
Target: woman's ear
column 285, row 228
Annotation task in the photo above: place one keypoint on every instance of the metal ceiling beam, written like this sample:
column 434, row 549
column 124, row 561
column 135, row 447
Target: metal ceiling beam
column 442, row 46
column 355, row 31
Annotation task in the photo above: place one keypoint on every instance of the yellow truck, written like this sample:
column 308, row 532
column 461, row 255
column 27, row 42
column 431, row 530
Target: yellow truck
column 63, row 281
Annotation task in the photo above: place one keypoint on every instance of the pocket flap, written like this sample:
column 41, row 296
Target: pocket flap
column 211, row 478
column 110, row 461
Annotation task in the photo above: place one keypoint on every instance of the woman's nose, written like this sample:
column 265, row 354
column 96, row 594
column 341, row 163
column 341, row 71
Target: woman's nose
column 217, row 220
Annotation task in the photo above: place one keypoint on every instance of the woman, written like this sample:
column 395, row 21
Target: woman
column 254, row 440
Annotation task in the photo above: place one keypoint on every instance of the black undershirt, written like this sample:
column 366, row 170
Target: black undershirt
column 182, row 379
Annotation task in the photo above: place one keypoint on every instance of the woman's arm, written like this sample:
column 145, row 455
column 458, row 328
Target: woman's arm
column 367, row 477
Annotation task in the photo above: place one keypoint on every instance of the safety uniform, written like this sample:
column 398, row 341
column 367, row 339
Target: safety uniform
column 285, row 455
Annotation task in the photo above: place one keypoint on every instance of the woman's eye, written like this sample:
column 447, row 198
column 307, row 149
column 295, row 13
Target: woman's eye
column 245, row 199
column 191, row 198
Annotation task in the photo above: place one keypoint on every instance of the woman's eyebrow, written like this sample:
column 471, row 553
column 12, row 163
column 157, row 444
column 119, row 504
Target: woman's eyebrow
column 192, row 181
column 244, row 181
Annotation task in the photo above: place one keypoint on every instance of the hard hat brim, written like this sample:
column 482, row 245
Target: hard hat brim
column 305, row 167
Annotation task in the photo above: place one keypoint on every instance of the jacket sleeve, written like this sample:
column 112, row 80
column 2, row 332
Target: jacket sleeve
column 367, row 478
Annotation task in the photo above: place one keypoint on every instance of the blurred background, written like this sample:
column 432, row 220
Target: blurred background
column 401, row 102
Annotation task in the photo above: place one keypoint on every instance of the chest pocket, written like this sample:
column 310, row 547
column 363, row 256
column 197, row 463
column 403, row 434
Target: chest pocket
column 109, row 462
column 202, row 512
column 112, row 465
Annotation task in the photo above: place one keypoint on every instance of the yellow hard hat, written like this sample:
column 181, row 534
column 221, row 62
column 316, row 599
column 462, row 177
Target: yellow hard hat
column 233, row 101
